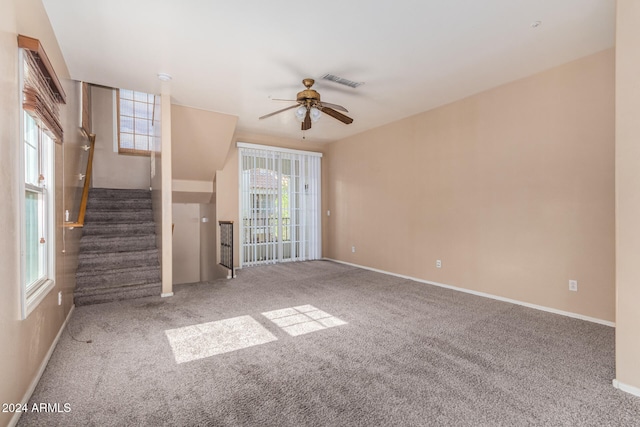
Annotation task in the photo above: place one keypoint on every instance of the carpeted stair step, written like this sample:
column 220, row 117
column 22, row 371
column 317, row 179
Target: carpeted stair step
column 101, row 261
column 117, row 204
column 111, row 244
column 92, row 279
column 119, row 215
column 118, row 258
column 97, row 228
column 118, row 194
column 103, row 295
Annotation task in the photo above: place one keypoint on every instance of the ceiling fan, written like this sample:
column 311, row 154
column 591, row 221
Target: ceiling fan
column 310, row 107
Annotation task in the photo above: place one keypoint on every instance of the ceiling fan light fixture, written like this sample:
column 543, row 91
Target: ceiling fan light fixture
column 309, row 109
column 301, row 112
column 315, row 114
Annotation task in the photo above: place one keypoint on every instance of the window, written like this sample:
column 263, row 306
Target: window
column 279, row 205
column 38, row 146
column 40, row 129
column 135, row 122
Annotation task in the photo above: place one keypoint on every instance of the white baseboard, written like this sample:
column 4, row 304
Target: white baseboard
column 25, row 399
column 626, row 388
column 485, row 295
column 167, row 295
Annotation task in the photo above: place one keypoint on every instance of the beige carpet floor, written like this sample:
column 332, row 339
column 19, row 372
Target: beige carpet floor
column 324, row 344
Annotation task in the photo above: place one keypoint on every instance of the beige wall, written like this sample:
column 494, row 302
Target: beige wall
column 110, row 169
column 24, row 344
column 202, row 140
column 511, row 188
column 227, row 187
column 627, row 200
column 194, row 243
column 186, row 243
column 208, row 244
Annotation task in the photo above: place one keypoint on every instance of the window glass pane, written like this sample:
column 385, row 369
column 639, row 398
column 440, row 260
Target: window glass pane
column 30, row 130
column 126, row 140
column 46, row 149
column 141, row 110
column 126, row 107
column 30, row 150
column 126, row 124
column 31, row 165
column 142, row 126
column 33, row 229
column 142, row 142
column 126, row 94
column 140, row 96
column 136, row 120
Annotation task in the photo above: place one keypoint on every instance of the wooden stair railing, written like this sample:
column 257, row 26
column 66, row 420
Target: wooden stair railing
column 85, row 189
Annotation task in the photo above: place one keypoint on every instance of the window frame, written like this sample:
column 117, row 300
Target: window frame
column 149, row 134
column 33, row 293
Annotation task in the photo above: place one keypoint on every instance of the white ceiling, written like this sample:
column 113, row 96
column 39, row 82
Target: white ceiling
column 412, row 55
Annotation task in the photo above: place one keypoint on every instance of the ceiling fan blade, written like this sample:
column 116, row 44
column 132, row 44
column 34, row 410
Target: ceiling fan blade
column 306, row 124
column 276, row 112
column 334, row 106
column 333, row 113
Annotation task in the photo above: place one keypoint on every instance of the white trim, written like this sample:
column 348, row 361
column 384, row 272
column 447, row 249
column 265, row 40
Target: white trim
column 21, row 191
column 116, row 130
column 167, row 295
column 279, row 149
column 626, row 388
column 32, row 301
column 485, row 295
column 25, row 399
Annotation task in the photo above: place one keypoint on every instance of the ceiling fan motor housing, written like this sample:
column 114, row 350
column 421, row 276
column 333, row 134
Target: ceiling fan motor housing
column 308, row 96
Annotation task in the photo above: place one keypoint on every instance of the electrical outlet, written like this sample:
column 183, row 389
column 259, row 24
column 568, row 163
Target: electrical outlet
column 438, row 263
column 353, row 248
column 573, row 285
column 60, row 298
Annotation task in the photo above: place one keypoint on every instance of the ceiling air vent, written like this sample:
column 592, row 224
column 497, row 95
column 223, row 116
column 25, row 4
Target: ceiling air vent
column 341, row 81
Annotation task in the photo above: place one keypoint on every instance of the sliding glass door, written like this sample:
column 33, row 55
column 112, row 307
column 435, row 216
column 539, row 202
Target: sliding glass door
column 279, row 205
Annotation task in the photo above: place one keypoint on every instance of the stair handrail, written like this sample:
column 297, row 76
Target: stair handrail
column 85, row 189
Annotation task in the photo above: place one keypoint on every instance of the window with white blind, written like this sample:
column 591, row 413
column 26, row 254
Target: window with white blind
column 279, row 205
column 135, row 122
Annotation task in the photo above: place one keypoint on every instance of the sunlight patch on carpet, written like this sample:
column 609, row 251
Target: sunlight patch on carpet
column 302, row 319
column 208, row 339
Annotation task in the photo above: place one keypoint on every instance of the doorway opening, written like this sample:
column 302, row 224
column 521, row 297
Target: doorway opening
column 279, row 205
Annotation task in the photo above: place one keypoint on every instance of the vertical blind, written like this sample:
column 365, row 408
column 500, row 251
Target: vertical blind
column 279, row 205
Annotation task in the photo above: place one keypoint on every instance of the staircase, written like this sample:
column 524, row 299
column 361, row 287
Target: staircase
column 118, row 256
